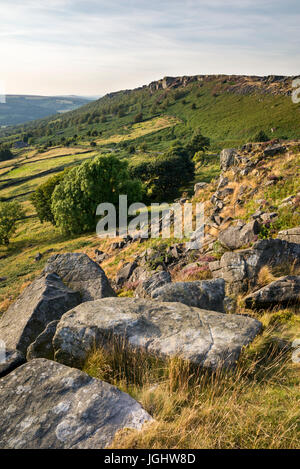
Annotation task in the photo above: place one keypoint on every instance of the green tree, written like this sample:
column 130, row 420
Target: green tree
column 75, row 199
column 5, row 153
column 41, row 198
column 10, row 213
column 165, row 174
column 197, row 143
column 261, row 136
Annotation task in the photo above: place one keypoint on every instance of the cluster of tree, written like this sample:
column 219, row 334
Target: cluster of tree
column 5, row 153
column 164, row 174
column 69, row 200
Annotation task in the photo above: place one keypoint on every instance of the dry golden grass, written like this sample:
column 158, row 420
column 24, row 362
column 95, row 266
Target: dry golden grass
column 265, row 276
column 254, row 405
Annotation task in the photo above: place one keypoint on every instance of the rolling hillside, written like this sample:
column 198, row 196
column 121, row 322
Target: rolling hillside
column 230, row 110
column 19, row 109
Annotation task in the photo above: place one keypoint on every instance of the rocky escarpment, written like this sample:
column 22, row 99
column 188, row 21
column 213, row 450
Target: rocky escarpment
column 240, row 84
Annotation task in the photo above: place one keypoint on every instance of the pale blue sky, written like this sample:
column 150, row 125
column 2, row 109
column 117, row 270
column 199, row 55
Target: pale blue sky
column 91, row 47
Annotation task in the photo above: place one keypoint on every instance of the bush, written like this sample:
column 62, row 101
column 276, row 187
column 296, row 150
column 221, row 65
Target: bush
column 75, row 199
column 10, row 213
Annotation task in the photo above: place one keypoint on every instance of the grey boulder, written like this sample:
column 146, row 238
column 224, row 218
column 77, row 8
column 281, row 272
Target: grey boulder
column 205, row 294
column 205, row 338
column 46, row 405
column 125, row 273
column 292, row 235
column 227, row 158
column 284, row 291
column 44, row 300
column 146, row 287
column 42, row 346
column 80, row 273
column 235, row 237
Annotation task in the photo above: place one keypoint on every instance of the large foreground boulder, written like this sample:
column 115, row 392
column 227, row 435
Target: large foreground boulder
column 44, row 404
column 205, row 338
column 240, row 269
column 205, row 294
column 284, row 291
column 80, row 273
column 44, row 300
column 235, row 237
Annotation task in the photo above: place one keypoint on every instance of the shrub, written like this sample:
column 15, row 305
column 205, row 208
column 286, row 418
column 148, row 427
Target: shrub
column 10, row 213
column 75, row 199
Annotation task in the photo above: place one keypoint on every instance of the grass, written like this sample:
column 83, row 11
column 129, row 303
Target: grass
column 255, row 405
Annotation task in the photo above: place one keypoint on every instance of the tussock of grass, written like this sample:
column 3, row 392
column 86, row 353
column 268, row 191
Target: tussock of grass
column 265, row 276
column 254, row 405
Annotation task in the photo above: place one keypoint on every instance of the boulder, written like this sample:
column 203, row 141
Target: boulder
column 145, row 288
column 227, row 158
column 42, row 346
column 44, row 300
column 284, row 291
column 199, row 186
column 292, row 235
column 46, row 405
column 80, row 273
column 205, row 338
column 125, row 273
column 273, row 150
column 234, row 237
column 205, row 294
column 240, row 269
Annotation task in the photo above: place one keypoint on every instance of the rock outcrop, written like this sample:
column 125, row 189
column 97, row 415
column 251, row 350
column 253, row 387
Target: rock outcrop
column 284, row 291
column 46, row 405
column 44, row 300
column 205, row 338
column 82, row 274
column 205, row 294
column 240, row 269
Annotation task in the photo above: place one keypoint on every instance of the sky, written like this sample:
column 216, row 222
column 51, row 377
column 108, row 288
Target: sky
column 91, row 47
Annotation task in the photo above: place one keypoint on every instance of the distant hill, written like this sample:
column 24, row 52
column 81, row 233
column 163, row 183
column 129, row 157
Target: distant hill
column 22, row 108
column 230, row 110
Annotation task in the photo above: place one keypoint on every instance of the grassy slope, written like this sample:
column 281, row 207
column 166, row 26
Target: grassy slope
column 254, row 406
column 228, row 117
